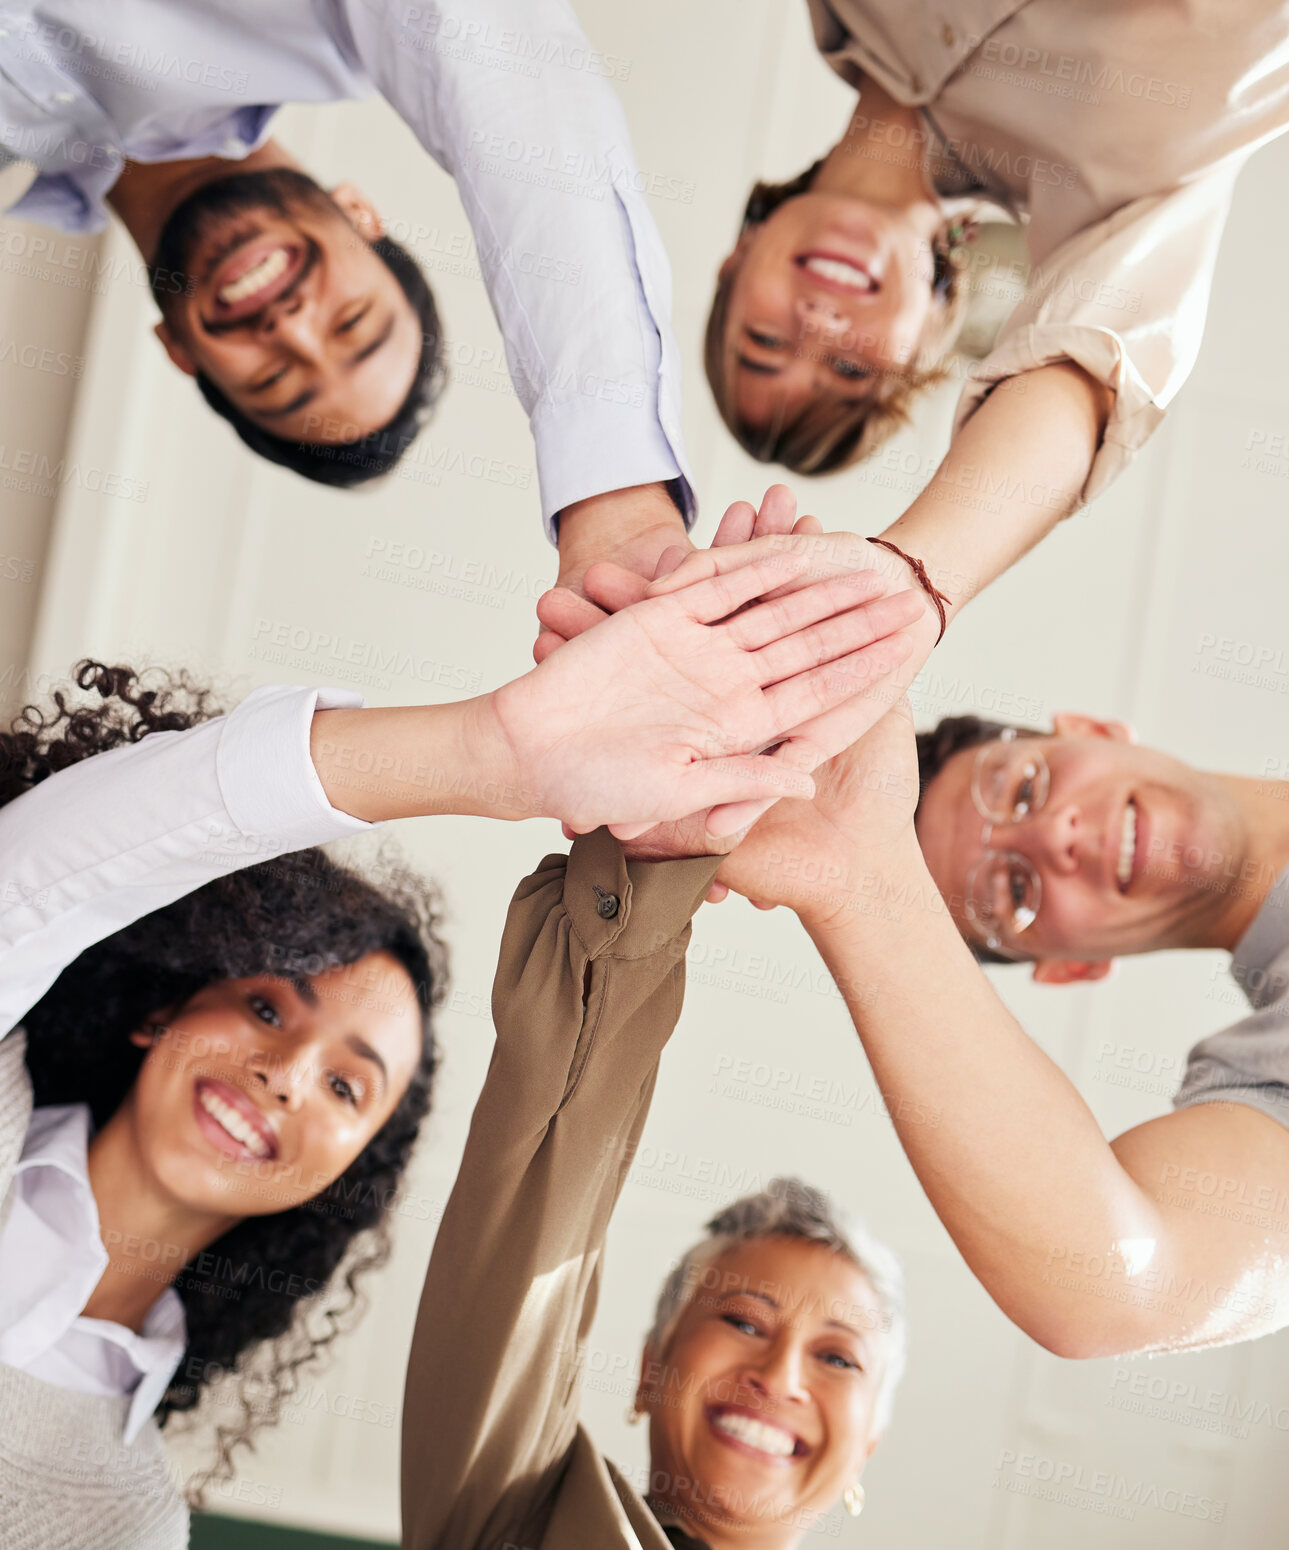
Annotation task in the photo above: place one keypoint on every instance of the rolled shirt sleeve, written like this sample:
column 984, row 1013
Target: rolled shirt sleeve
column 588, row 989
column 129, row 831
column 1125, row 299
column 512, row 100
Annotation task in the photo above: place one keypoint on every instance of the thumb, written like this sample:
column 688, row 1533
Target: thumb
column 612, row 586
column 566, row 613
column 730, row 817
column 545, row 643
column 668, row 560
column 630, row 831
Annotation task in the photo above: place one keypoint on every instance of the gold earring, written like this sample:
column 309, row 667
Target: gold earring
column 634, row 1415
column 853, row 1496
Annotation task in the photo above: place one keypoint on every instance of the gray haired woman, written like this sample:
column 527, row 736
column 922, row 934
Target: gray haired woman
column 768, row 1375
column 770, row 1371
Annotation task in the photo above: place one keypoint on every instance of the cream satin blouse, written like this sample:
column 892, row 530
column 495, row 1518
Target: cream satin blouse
column 1113, row 129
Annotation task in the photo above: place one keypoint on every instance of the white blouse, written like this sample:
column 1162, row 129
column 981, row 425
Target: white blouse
column 53, row 1257
column 82, row 855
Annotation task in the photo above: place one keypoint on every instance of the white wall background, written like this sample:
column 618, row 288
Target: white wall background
column 209, row 552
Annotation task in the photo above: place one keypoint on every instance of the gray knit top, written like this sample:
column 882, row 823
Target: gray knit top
column 67, row 1479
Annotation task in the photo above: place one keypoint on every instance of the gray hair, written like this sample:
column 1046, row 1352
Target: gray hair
column 788, row 1208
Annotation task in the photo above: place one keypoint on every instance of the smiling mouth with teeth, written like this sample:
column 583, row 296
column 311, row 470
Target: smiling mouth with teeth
column 236, row 1124
column 761, row 1435
column 838, row 272
column 1127, row 845
column 264, row 273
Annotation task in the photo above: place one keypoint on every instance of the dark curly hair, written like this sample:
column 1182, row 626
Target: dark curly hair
column 273, row 1275
column 952, row 735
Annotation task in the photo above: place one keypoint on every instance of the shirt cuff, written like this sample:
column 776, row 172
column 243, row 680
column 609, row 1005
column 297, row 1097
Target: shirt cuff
column 631, row 909
column 266, row 776
column 1134, row 414
column 590, row 446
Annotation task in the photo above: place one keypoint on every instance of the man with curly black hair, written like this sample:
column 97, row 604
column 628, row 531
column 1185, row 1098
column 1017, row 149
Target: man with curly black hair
column 306, row 325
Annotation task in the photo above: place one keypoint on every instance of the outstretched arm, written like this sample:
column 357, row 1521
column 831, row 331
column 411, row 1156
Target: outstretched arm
column 1092, row 1247
column 126, row 832
column 513, row 99
column 655, row 715
column 588, row 989
column 1079, row 379
column 1013, row 470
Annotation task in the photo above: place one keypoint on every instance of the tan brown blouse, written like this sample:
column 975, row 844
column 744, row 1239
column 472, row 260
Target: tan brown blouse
column 1114, row 129
column 588, row 989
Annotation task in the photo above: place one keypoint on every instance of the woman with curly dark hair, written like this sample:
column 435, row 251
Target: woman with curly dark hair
column 226, row 1092
column 225, row 1048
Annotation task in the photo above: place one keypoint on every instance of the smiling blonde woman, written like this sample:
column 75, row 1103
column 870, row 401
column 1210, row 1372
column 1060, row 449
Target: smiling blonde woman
column 1112, row 131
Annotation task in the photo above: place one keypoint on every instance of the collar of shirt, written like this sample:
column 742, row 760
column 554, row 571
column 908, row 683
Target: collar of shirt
column 52, row 1252
column 1266, row 940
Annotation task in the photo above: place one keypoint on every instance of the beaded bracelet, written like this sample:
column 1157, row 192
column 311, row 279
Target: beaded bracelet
column 923, row 580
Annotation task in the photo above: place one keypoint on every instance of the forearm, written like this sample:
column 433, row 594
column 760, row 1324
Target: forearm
column 1010, row 1156
column 574, row 268
column 1013, row 471
column 417, row 761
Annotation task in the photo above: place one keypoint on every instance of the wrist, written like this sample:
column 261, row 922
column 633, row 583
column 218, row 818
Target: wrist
column 415, row 761
column 496, row 763
column 906, row 570
column 641, row 517
column 866, row 889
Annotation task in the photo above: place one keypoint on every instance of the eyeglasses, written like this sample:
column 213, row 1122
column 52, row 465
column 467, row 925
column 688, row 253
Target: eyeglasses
column 1009, row 783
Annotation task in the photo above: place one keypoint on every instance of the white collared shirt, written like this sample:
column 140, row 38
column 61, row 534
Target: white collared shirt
column 82, row 855
column 53, row 1256
column 508, row 96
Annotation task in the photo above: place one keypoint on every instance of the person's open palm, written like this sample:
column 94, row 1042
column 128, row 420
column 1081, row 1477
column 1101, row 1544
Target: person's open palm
column 662, row 710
